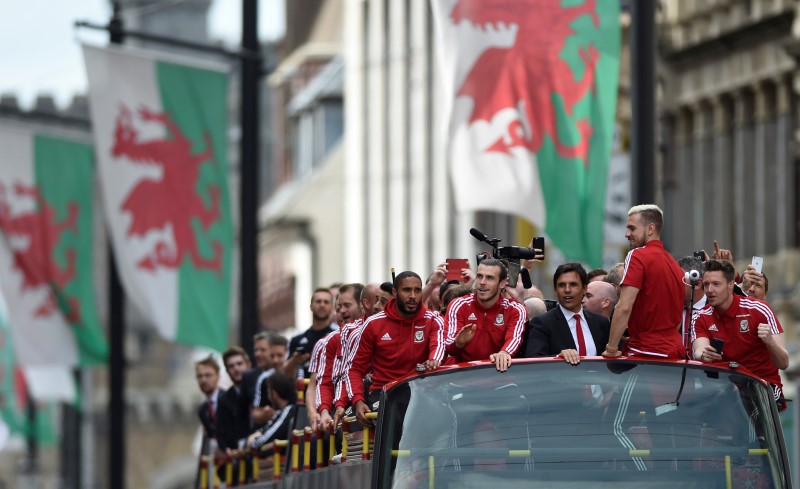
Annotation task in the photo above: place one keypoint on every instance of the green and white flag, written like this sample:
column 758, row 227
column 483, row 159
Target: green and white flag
column 530, row 100
column 160, row 132
column 46, row 243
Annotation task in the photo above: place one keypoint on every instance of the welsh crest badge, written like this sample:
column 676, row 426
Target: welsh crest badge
column 499, row 320
column 419, row 336
column 744, row 326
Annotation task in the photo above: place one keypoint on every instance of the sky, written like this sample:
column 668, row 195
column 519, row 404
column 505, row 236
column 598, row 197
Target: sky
column 40, row 48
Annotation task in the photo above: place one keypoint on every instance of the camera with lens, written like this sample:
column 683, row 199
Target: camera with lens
column 510, row 255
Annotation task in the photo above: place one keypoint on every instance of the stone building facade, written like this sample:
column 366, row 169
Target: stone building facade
column 728, row 101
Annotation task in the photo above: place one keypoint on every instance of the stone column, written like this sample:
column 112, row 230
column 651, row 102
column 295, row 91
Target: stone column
column 784, row 176
column 756, row 195
column 739, row 118
column 719, row 207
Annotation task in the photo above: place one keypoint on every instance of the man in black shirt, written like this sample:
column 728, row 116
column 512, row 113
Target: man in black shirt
column 303, row 343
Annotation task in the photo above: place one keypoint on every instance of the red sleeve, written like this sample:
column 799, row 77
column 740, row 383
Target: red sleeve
column 634, row 269
column 362, row 363
column 453, row 324
column 515, row 326
column 325, row 380
column 436, row 338
column 701, row 324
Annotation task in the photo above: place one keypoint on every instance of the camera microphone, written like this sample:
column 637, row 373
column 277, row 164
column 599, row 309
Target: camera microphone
column 478, row 235
column 526, row 278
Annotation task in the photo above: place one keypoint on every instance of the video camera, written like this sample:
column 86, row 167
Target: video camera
column 510, row 254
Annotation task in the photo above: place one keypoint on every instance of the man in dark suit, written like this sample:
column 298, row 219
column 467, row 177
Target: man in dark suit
column 207, row 375
column 233, row 411
column 568, row 331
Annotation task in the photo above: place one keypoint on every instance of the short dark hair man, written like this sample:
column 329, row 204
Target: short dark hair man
column 321, row 313
column 569, row 330
column 207, row 375
column 233, row 413
column 394, row 342
column 483, row 325
column 751, row 333
column 651, row 292
column 282, row 396
column 253, row 385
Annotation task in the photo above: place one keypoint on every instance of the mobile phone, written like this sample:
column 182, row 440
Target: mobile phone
column 757, row 263
column 538, row 243
column 717, row 344
column 454, row 267
column 700, row 255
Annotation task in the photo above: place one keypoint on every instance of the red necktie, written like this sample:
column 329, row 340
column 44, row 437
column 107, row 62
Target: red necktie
column 579, row 333
column 210, row 411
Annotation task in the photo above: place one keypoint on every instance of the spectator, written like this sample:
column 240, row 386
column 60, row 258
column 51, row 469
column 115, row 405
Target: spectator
column 597, row 274
column 752, row 335
column 454, row 292
column 695, row 296
column 233, row 411
column 755, row 284
column 282, row 396
column 394, row 342
column 600, row 298
column 651, row 292
column 207, row 375
column 568, row 331
column 483, row 325
column 253, row 386
column 614, row 276
column 278, row 350
column 303, row 343
column 384, row 296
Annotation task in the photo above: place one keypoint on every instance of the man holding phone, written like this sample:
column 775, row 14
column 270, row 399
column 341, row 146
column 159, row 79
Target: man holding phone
column 749, row 330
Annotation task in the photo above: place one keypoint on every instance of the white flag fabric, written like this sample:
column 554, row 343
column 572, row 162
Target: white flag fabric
column 160, row 133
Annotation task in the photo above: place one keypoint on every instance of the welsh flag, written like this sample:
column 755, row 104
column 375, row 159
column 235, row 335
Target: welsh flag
column 160, row 130
column 14, row 392
column 46, row 242
column 531, row 95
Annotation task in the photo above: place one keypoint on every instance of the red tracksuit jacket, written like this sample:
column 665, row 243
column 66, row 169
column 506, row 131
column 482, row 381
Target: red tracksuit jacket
column 391, row 347
column 499, row 327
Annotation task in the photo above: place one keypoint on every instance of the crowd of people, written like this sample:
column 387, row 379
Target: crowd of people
column 364, row 336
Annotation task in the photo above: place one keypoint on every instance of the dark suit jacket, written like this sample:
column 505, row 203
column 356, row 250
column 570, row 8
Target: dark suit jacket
column 549, row 333
column 233, row 419
column 209, row 426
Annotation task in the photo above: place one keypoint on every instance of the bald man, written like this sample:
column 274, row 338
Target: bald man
column 600, row 298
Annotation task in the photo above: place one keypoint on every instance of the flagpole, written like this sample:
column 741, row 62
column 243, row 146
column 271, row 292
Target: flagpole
column 643, row 100
column 117, row 327
column 249, row 176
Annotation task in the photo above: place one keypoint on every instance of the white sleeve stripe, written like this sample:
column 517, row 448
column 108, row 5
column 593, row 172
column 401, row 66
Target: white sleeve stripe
column 261, row 378
column 518, row 328
column 272, row 429
column 765, row 311
column 452, row 317
column 627, row 262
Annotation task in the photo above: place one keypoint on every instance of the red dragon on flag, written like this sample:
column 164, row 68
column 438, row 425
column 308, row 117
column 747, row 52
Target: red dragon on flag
column 531, row 73
column 171, row 200
column 40, row 232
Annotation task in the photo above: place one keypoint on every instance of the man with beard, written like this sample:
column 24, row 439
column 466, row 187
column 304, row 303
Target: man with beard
column 303, row 343
column 253, row 380
column 483, row 325
column 751, row 334
column 651, row 292
column 233, row 411
column 327, row 352
column 394, row 342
